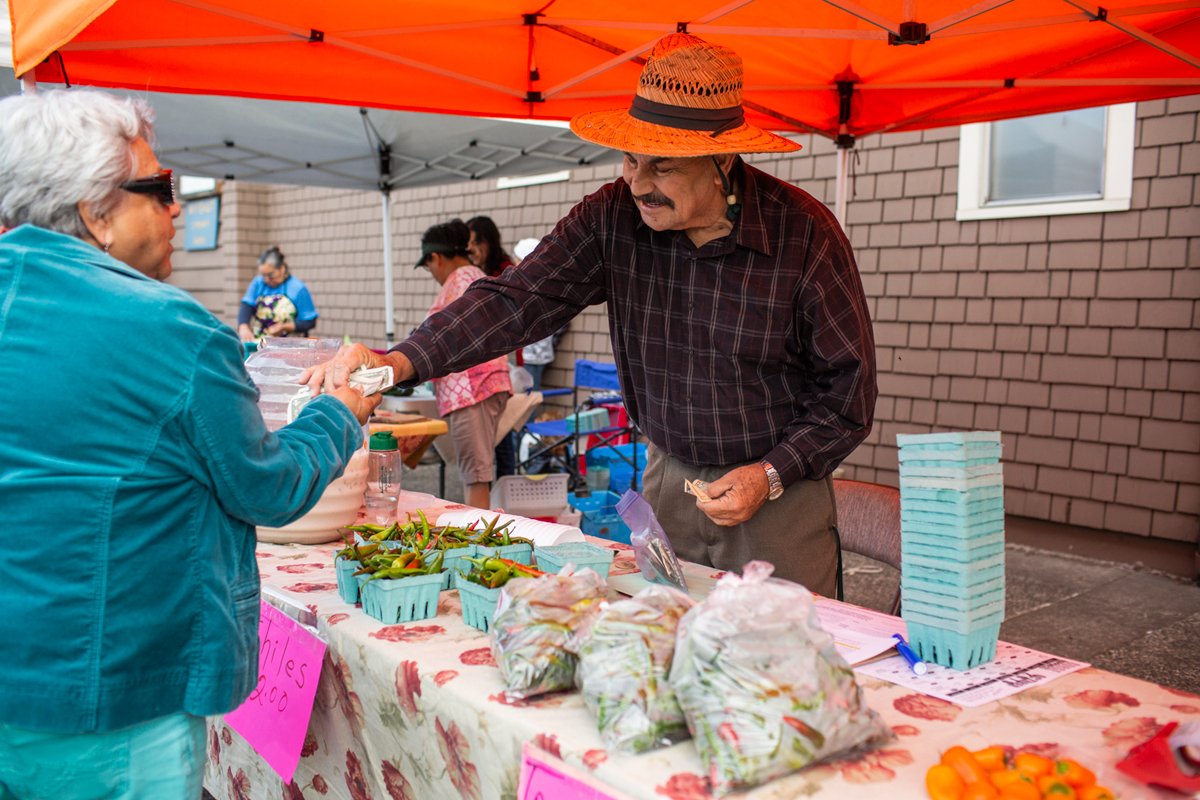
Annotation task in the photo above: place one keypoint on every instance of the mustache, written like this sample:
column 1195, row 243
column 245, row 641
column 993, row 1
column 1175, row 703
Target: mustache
column 655, row 198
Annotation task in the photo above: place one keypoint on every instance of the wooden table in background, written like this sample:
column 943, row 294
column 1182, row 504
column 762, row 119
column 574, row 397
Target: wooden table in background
column 413, row 432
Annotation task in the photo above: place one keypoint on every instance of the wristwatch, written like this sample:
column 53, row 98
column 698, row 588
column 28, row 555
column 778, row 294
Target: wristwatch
column 774, row 484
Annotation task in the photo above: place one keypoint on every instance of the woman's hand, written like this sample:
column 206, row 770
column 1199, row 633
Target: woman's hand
column 244, row 333
column 361, row 407
column 281, row 328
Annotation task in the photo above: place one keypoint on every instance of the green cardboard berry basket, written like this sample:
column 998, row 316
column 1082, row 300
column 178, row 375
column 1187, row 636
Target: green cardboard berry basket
column 553, row 558
column 346, row 582
column 392, row 600
column 478, row 603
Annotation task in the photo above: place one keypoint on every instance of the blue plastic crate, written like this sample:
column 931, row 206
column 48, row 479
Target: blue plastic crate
column 599, row 516
column 620, row 472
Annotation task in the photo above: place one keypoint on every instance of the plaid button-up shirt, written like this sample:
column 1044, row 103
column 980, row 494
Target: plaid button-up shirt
column 757, row 345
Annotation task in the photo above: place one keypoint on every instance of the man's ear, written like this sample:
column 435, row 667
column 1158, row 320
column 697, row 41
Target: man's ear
column 96, row 225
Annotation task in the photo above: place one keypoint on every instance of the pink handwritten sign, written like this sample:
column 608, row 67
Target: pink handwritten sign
column 274, row 718
column 544, row 777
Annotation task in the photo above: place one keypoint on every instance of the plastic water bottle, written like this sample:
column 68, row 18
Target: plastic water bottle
column 383, row 478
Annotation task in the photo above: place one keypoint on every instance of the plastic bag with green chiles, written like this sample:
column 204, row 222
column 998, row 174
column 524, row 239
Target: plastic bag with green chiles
column 534, row 631
column 396, row 564
column 492, row 572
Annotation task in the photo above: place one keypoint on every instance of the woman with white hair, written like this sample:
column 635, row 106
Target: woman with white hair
column 134, row 465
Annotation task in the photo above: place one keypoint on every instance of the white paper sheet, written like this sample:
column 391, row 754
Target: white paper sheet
column 542, row 533
column 1014, row 669
column 859, row 634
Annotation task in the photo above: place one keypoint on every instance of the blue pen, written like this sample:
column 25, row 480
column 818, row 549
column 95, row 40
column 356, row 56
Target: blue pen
column 918, row 666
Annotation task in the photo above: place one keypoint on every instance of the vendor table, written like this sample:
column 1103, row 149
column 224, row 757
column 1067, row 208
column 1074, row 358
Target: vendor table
column 417, row 712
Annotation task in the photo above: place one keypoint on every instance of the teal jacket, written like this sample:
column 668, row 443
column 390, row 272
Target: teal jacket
column 134, row 466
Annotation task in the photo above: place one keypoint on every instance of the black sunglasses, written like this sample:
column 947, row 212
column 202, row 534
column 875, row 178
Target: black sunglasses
column 160, row 186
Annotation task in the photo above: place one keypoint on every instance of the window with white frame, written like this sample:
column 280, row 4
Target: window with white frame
column 1071, row 162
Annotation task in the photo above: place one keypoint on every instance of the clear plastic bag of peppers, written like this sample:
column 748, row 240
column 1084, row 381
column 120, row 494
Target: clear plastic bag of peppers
column 764, row 691
column 535, row 630
column 623, row 665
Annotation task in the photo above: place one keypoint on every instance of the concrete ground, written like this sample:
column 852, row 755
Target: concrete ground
column 1121, row 603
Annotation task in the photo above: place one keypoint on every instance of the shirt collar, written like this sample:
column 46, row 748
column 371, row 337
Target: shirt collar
column 749, row 227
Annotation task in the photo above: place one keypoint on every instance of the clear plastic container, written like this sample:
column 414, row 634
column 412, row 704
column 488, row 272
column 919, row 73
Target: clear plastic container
column 276, row 368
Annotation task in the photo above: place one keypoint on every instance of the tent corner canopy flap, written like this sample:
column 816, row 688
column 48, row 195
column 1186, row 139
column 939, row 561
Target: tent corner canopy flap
column 836, row 67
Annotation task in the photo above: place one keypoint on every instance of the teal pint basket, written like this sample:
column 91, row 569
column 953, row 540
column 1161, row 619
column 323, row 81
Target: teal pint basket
column 478, row 603
column 555, row 557
column 953, row 649
column 346, row 582
column 402, row 599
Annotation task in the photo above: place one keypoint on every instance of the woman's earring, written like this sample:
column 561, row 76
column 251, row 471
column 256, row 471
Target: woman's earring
column 107, row 245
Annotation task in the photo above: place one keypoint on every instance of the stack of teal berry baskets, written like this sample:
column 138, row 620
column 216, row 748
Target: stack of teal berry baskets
column 952, row 545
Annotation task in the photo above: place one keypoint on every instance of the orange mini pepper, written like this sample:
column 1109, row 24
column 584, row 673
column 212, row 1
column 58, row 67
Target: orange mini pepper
column 1095, row 792
column 992, row 758
column 1055, row 788
column 1032, row 764
column 964, row 763
column 1074, row 773
column 1003, row 778
column 980, row 790
column 943, row 783
column 1020, row 790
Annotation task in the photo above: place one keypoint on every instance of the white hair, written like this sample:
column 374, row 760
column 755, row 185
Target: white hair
column 61, row 147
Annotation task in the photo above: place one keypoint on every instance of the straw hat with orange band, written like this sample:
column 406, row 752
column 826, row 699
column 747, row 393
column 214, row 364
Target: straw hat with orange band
column 688, row 103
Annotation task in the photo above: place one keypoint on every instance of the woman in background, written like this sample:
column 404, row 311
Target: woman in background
column 140, row 617
column 487, row 253
column 276, row 303
column 470, row 401
column 484, row 247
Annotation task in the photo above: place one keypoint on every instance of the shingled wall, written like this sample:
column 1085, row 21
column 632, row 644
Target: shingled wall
column 1076, row 336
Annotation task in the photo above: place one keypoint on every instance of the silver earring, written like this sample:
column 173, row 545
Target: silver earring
column 107, row 245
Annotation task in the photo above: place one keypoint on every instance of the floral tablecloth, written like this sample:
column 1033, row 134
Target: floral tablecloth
column 417, row 712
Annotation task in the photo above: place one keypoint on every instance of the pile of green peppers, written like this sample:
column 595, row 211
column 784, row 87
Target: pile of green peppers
column 492, row 572
column 392, row 564
column 418, row 534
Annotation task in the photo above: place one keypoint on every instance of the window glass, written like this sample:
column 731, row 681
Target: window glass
column 1077, row 162
column 1047, row 157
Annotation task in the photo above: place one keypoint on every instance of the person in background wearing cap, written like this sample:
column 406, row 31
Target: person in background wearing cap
column 472, row 399
column 738, row 320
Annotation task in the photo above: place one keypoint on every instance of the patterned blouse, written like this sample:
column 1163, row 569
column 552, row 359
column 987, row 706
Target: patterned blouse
column 474, row 384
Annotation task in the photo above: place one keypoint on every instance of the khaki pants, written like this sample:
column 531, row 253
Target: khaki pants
column 795, row 532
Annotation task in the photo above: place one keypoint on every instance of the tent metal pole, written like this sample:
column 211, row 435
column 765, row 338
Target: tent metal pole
column 28, row 84
column 389, row 297
column 839, row 191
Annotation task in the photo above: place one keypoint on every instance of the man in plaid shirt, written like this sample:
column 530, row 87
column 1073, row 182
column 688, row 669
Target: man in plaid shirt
column 737, row 317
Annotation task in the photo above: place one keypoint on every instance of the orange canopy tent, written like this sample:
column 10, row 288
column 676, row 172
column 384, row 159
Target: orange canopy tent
column 839, row 68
